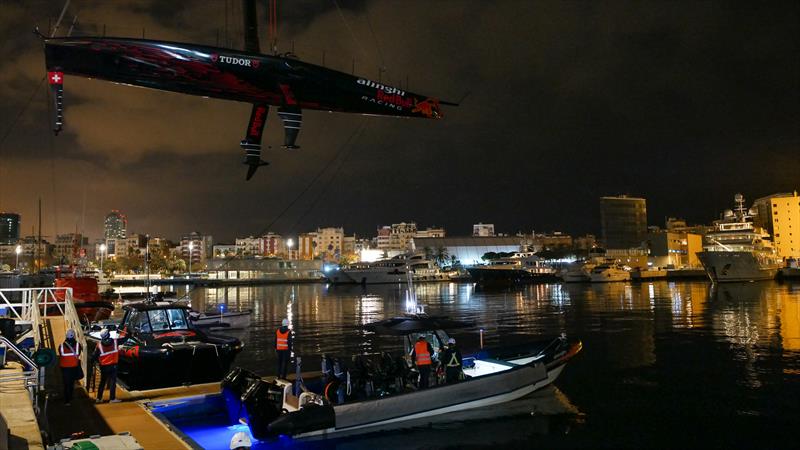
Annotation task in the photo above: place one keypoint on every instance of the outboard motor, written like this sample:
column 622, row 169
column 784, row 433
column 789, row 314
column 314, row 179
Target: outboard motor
column 233, row 386
column 262, row 403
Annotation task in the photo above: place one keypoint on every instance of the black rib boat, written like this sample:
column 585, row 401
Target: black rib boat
column 160, row 347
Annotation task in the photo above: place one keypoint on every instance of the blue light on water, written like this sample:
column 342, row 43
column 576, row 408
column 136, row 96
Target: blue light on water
column 209, row 428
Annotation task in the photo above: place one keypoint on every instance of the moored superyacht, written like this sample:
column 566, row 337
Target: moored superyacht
column 737, row 250
column 392, row 270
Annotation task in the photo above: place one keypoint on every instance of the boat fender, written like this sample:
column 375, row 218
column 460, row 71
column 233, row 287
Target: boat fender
column 330, row 388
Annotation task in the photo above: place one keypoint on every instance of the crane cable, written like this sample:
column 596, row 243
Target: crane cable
column 272, row 22
column 345, row 145
column 324, row 190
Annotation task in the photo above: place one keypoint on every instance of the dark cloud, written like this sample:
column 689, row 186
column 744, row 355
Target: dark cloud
column 685, row 103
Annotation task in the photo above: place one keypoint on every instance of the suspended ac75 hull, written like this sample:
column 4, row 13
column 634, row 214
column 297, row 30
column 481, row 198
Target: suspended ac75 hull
column 262, row 80
column 230, row 75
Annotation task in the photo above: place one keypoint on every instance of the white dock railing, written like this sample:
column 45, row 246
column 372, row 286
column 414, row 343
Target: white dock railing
column 36, row 305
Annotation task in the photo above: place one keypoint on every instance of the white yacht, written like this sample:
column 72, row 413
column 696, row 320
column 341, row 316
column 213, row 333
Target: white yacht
column 577, row 272
column 392, row 270
column 517, row 269
column 737, row 250
column 608, row 272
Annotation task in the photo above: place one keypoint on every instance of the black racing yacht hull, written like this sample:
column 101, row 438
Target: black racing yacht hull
column 230, row 75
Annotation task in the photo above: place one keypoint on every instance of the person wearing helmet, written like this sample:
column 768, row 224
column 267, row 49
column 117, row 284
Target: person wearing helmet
column 421, row 357
column 283, row 347
column 452, row 362
column 240, row 441
column 69, row 354
column 107, row 355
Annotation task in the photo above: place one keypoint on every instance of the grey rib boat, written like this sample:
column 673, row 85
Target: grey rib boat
column 378, row 392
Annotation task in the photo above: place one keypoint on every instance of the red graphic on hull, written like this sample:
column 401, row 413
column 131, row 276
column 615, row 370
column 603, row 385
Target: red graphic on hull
column 428, row 108
column 257, row 124
column 174, row 334
column 287, row 94
column 394, row 99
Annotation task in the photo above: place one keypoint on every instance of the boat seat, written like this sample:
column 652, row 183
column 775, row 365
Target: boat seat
column 290, row 402
column 500, row 362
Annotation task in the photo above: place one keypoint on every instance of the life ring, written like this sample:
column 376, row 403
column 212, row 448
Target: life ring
column 334, row 383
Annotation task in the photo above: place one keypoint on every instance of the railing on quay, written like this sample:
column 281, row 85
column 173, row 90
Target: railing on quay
column 36, row 305
column 31, row 375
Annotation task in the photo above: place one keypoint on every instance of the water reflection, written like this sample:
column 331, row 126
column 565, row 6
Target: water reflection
column 684, row 350
column 329, row 318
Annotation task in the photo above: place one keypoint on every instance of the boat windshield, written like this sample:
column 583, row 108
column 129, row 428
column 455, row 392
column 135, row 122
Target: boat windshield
column 167, row 319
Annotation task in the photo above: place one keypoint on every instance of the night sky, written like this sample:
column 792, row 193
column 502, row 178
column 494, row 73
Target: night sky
column 683, row 103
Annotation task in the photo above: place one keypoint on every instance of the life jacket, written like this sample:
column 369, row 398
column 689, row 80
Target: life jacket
column 110, row 357
column 282, row 340
column 453, row 359
column 423, row 355
column 69, row 355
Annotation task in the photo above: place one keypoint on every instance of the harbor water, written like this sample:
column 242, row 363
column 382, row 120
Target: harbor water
column 664, row 364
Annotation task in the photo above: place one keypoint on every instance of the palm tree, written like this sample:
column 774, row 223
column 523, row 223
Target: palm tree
column 442, row 256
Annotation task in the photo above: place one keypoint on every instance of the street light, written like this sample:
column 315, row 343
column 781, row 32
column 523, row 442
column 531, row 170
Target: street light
column 17, row 250
column 289, row 245
column 191, row 247
column 103, row 248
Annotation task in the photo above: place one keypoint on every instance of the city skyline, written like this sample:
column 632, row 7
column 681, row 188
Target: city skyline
column 671, row 102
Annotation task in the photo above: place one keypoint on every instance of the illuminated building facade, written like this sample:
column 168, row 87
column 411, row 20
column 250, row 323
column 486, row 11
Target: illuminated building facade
column 623, row 221
column 115, row 225
column 9, row 228
column 779, row 214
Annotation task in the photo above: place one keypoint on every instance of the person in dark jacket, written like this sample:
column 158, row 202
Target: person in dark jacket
column 69, row 359
column 107, row 355
column 283, row 347
column 452, row 360
column 422, row 357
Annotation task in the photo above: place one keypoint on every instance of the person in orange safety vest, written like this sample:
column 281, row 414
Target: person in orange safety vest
column 283, row 347
column 107, row 355
column 422, row 356
column 69, row 360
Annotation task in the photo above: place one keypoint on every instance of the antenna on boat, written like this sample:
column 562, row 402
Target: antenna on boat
column 412, row 306
column 148, row 295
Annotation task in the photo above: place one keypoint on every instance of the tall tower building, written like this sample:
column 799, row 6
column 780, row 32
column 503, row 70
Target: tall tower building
column 116, row 225
column 623, row 221
column 9, row 228
column 779, row 214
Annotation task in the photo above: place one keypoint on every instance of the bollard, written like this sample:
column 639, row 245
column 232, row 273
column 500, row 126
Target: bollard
column 481, row 338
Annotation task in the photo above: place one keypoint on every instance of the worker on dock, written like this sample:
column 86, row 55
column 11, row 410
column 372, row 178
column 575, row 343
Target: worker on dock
column 70, row 362
column 107, row 354
column 421, row 357
column 283, row 347
column 451, row 357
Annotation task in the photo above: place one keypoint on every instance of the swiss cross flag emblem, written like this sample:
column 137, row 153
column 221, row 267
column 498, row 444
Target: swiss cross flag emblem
column 55, row 77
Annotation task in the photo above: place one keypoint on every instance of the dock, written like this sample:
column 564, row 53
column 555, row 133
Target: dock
column 83, row 418
column 86, row 418
column 20, row 419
